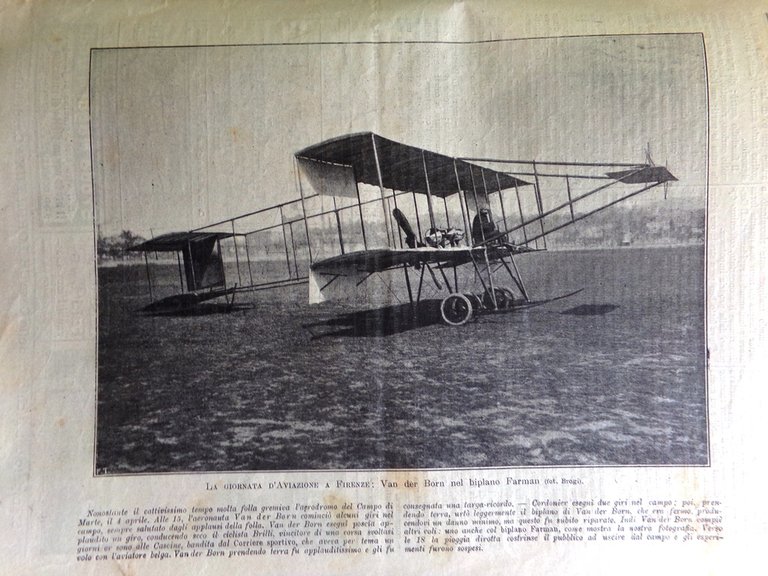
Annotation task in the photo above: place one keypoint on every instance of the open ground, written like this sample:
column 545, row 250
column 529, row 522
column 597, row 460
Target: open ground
column 607, row 369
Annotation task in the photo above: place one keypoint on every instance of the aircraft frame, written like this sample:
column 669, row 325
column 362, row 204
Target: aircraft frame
column 350, row 223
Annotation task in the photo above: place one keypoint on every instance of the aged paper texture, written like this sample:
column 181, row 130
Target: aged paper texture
column 340, row 287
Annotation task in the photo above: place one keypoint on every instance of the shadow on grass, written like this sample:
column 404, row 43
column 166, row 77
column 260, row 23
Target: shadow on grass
column 384, row 321
column 590, row 310
column 398, row 318
column 204, row 309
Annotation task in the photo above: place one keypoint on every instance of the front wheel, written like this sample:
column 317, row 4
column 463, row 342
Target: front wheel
column 456, row 309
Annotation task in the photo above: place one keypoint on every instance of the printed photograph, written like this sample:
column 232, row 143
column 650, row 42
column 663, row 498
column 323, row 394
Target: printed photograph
column 367, row 256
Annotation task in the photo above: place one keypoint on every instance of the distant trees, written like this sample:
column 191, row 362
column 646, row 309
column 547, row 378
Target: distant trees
column 115, row 247
column 642, row 225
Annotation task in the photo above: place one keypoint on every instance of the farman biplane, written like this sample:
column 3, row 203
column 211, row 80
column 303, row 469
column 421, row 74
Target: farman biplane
column 369, row 205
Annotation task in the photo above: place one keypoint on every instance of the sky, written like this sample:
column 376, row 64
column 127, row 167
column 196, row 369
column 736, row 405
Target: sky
column 183, row 137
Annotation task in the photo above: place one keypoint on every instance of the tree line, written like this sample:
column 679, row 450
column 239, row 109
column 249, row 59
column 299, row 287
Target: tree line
column 116, row 247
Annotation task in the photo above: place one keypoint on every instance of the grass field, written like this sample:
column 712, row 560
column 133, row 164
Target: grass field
column 612, row 374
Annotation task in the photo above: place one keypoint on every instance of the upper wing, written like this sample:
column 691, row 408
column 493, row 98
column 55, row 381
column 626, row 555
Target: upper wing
column 376, row 160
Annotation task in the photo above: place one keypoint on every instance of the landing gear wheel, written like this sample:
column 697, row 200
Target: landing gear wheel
column 477, row 303
column 456, row 309
column 510, row 297
column 502, row 299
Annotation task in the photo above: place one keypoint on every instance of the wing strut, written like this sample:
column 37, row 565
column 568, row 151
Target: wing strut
column 390, row 242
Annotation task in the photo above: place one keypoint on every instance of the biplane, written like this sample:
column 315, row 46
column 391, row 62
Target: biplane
column 369, row 205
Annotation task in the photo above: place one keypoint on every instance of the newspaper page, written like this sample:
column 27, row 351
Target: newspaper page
column 341, row 287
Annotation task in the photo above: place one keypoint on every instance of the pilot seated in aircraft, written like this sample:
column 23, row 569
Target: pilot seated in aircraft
column 484, row 229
